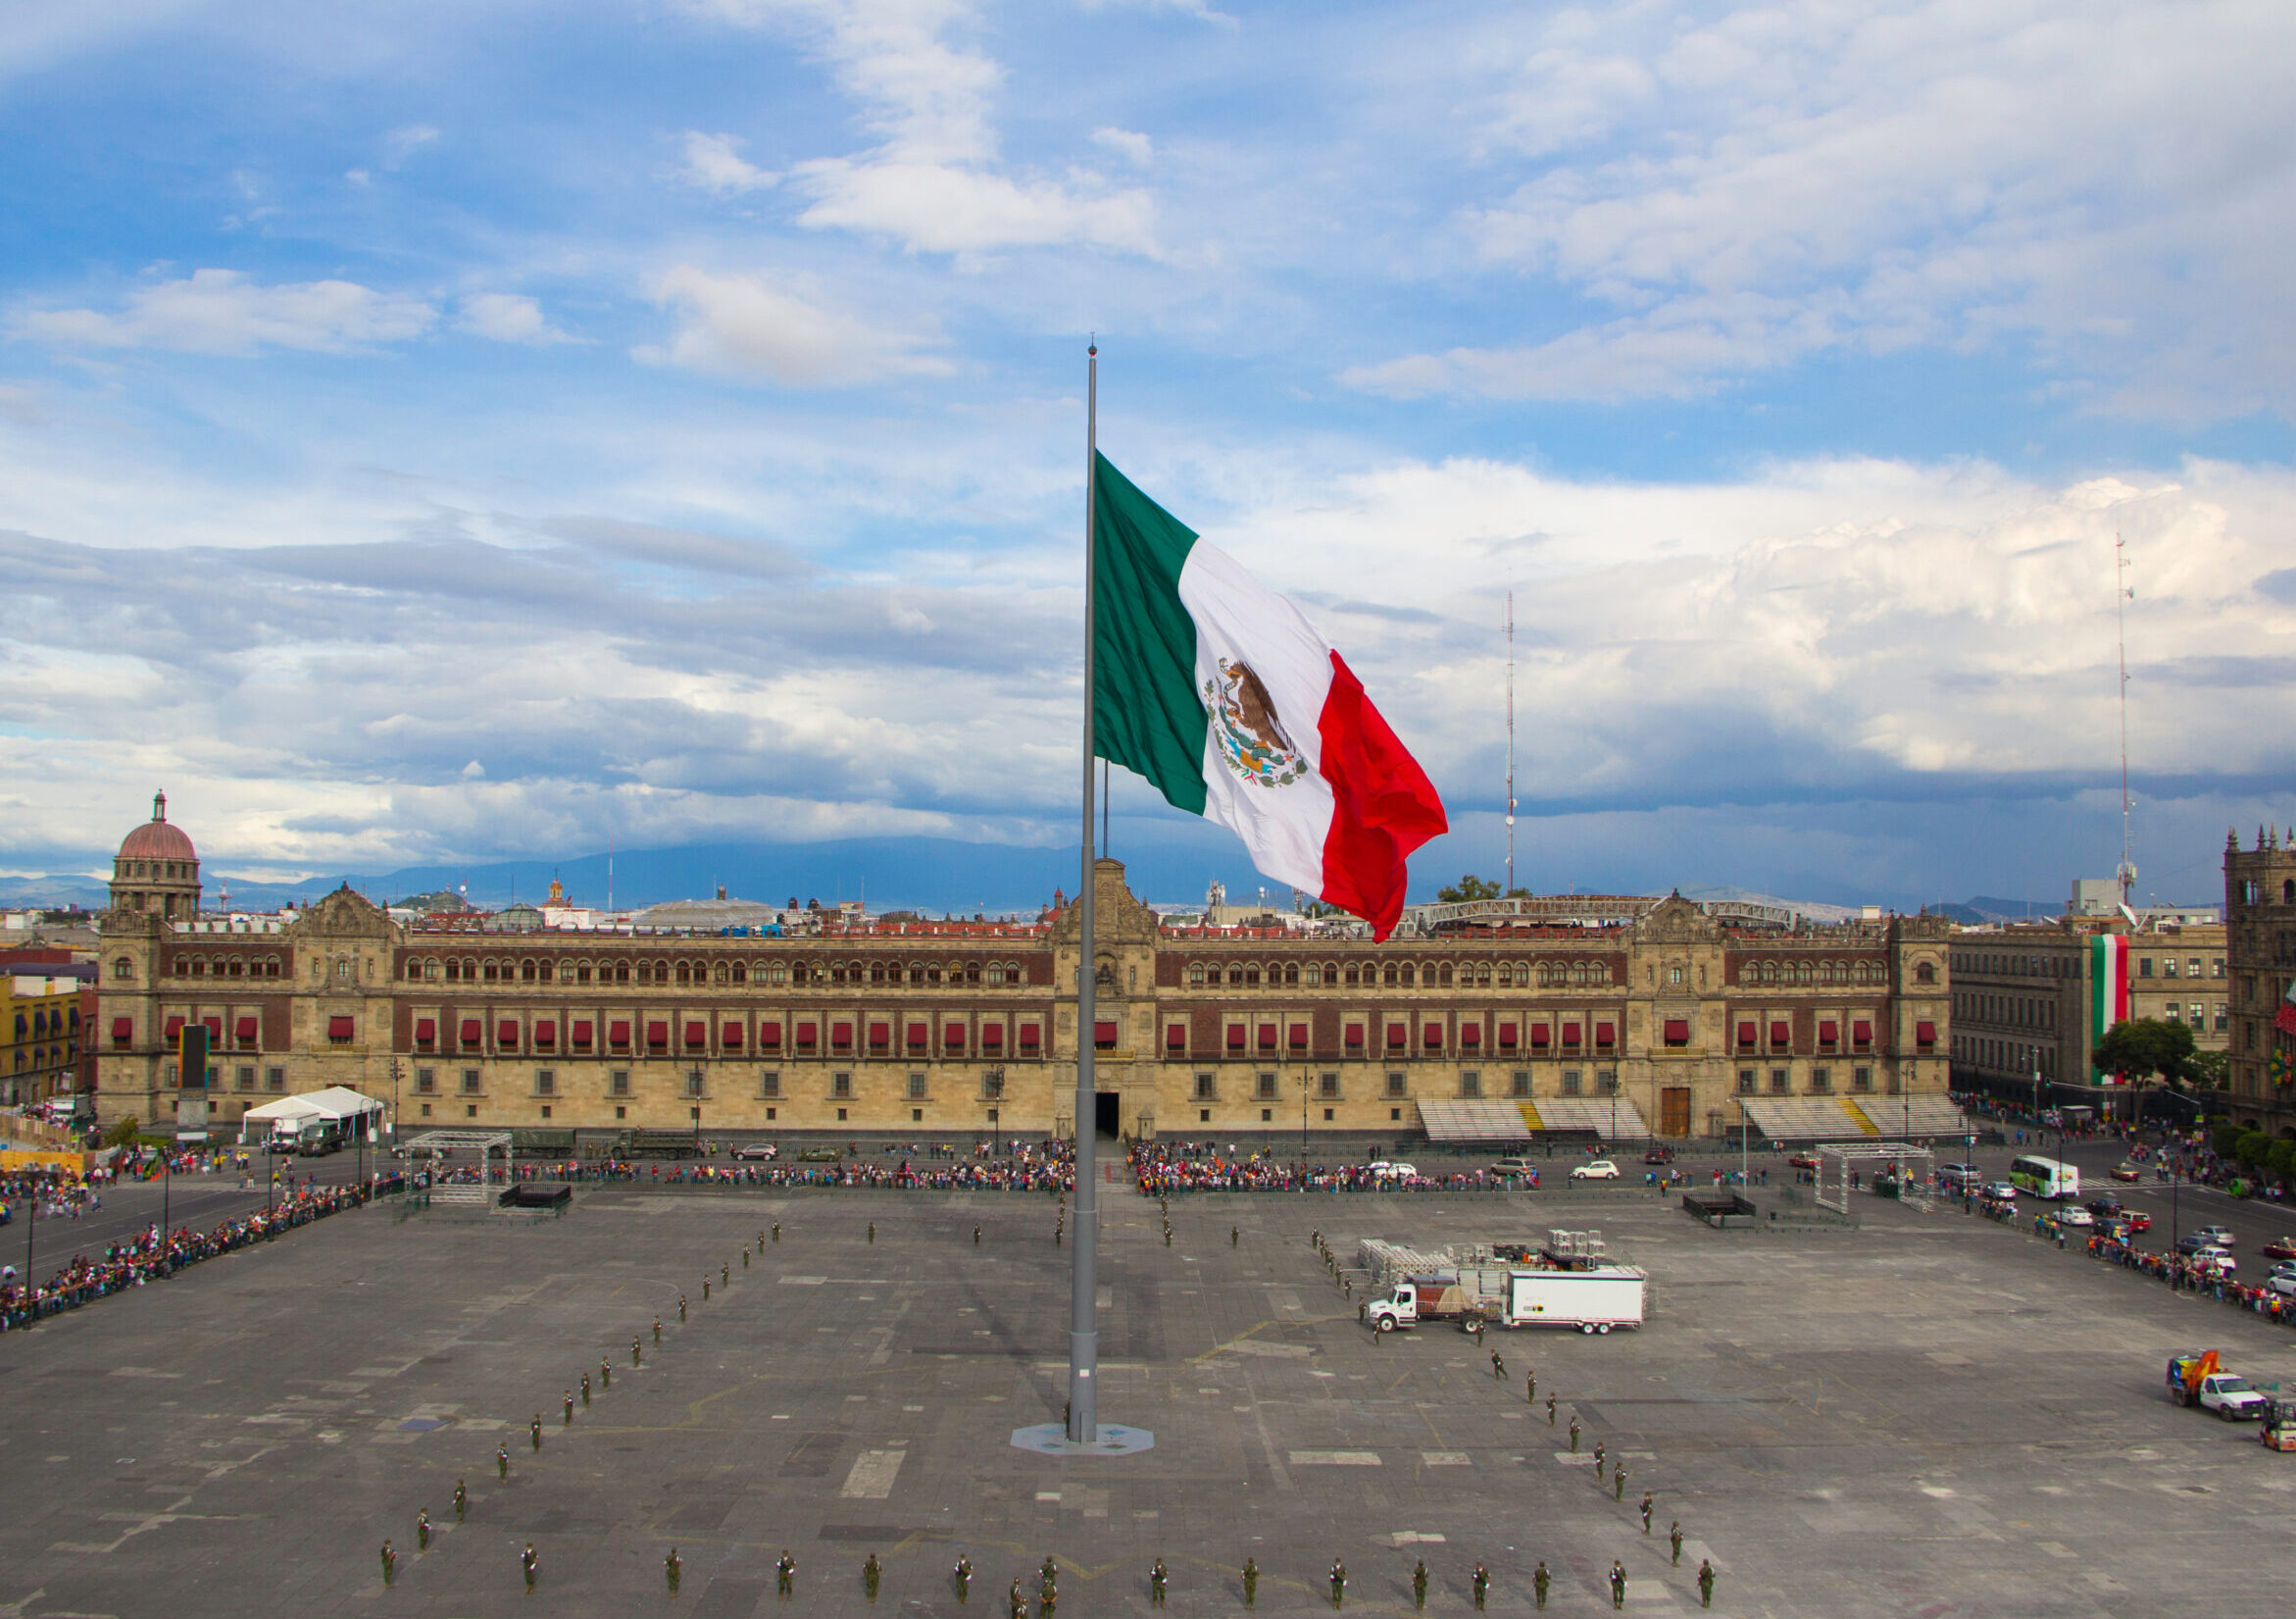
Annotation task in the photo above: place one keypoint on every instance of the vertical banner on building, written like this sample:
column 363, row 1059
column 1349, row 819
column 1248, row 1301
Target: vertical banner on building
column 2108, row 982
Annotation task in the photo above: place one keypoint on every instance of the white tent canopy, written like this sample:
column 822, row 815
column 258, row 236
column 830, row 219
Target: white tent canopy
column 336, row 1102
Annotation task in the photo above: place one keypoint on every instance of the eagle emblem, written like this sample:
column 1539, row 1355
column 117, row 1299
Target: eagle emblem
column 1251, row 734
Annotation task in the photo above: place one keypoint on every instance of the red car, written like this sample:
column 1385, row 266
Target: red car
column 1804, row 1160
column 2280, row 1248
column 2136, row 1221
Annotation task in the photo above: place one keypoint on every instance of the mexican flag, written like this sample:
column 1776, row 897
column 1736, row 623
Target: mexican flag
column 2108, row 982
column 1225, row 698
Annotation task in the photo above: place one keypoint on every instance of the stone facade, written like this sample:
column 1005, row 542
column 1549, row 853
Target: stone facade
column 2260, row 920
column 946, row 1029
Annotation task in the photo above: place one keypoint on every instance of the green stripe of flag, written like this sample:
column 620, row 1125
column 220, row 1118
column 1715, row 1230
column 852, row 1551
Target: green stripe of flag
column 1146, row 715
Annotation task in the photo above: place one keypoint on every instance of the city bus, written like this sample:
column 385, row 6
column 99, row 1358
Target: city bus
column 2045, row 1178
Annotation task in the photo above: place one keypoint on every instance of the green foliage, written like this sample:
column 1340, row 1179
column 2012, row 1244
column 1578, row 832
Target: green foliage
column 1469, row 887
column 2282, row 1161
column 2145, row 1048
column 2224, row 1139
column 2254, row 1148
column 123, row 1131
column 2209, row 1070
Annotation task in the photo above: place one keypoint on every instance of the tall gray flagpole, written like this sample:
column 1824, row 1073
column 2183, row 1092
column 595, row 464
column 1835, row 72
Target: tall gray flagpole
column 1083, row 1329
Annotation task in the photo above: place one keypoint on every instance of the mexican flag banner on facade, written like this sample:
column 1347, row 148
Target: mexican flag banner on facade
column 2108, row 982
column 1225, row 698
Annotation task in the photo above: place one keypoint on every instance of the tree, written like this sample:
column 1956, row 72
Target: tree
column 122, row 1130
column 2144, row 1049
column 2254, row 1148
column 2208, row 1070
column 2282, row 1161
column 1468, row 887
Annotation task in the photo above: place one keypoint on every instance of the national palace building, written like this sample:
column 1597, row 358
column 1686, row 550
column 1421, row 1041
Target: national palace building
column 1616, row 1017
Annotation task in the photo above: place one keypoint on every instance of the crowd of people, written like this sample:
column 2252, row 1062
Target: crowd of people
column 155, row 1254
column 58, row 1193
column 1043, row 1166
column 1161, row 1168
column 2197, row 1277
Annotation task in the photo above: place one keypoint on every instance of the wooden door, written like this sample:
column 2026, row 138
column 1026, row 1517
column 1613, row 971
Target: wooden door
column 1673, row 1111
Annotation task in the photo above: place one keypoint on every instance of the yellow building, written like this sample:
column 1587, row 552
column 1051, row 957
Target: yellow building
column 39, row 1016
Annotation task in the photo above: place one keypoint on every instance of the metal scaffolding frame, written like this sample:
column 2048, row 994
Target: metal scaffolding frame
column 444, row 1144
column 1915, row 1165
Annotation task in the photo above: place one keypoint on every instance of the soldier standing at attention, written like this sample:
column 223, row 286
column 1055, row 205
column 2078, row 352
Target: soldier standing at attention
column 1339, row 1582
column 1618, row 1584
column 390, row 1563
column 1530, row 1388
column 964, row 1577
column 530, row 1563
column 462, row 1500
column 1482, row 1580
column 585, row 1388
column 1675, row 1539
column 872, row 1231
column 502, row 1461
column 1048, row 1591
column 1418, row 1585
column 1599, row 1446
column 1018, row 1607
column 1498, row 1367
column 1541, row 1578
column 777, row 1238
column 1575, row 1434
column 534, row 1430
column 724, row 1276
column 605, row 1375
column 1618, row 1478
column 423, row 1530
column 1646, row 1512
column 1705, row 1583
column 1550, row 1410
column 1234, row 1235
column 976, row 1236
column 680, row 1313
column 1156, row 1583
column 784, row 1572
column 568, row 1408
column 671, row 1568
column 1251, row 1582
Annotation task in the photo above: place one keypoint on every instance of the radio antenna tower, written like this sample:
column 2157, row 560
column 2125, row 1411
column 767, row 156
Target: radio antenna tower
column 1510, row 742
column 2121, row 596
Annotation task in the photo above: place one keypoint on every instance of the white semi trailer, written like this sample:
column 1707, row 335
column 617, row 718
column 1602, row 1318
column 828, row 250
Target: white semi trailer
column 1591, row 1300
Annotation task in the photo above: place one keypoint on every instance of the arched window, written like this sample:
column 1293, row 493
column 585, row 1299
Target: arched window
column 1926, row 973
column 1602, row 972
column 123, row 968
column 1195, row 975
column 1291, row 974
column 1444, row 973
column 1408, row 973
column 1802, row 973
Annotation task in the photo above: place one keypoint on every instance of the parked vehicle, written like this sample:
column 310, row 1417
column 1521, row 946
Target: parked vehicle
column 2215, row 1236
column 2200, row 1379
column 819, row 1155
column 2075, row 1215
column 2280, row 1248
column 1398, row 1170
column 1520, row 1168
column 1601, row 1169
column 1591, row 1300
column 1959, row 1179
column 1658, row 1154
column 2128, row 1172
column 757, row 1152
column 1803, row 1160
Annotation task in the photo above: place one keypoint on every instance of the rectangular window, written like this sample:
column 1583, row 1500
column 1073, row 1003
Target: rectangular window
column 2144, row 967
column 1745, row 1081
column 1204, row 1091
column 840, row 1086
column 1264, row 1087
column 768, row 1083
column 992, row 1087
column 470, row 1082
column 1571, row 1081
column 426, row 1110
column 1861, row 1078
column 1779, row 1079
column 1397, row 1084
column 1471, row 1083
column 618, row 1080
column 1821, row 1079
column 274, row 1078
column 1606, row 1081
column 1327, row 1087
column 693, row 1083
column 425, row 1082
column 247, row 1077
column 917, row 1087
column 1520, row 1084
column 545, row 1083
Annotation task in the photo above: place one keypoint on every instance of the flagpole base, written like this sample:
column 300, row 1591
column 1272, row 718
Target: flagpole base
column 1050, row 1439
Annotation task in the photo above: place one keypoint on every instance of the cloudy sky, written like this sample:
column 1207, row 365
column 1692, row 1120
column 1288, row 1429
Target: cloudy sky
column 446, row 431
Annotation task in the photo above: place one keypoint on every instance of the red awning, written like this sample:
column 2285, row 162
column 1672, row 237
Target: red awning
column 1471, row 1034
column 1828, row 1032
column 1355, row 1034
column 1235, row 1037
column 769, row 1037
column 1749, row 1032
column 1606, row 1034
column 730, row 1036
column 1103, row 1033
column 657, row 1034
column 1028, row 1037
column 1398, row 1036
column 472, row 1032
column 1539, row 1033
column 1175, row 1038
column 697, row 1034
column 122, row 1030
column 1678, row 1030
column 1862, row 1032
column 953, row 1037
column 919, row 1036
column 1781, row 1032
column 1569, row 1033
column 1266, row 1036
column 338, row 1027
column 617, row 1034
column 246, row 1031
column 805, row 1035
column 992, row 1036
column 1296, row 1037
column 1926, row 1034
column 1431, row 1035
column 546, row 1031
column 580, row 1034
column 880, row 1033
column 174, row 1028
column 1506, row 1034
column 215, row 1029
column 506, row 1031
column 426, row 1030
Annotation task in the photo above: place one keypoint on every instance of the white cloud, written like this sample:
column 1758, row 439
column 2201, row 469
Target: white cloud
column 223, row 312
column 744, row 326
column 934, row 182
column 1198, row 9
column 1931, row 174
column 1135, row 147
column 507, row 317
column 402, row 143
column 715, row 163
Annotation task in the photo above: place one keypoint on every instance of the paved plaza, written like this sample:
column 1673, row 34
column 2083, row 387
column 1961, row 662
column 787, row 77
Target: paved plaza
column 1925, row 1415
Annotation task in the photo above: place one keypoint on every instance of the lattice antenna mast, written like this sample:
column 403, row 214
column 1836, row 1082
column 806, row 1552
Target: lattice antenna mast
column 2121, row 596
column 1510, row 742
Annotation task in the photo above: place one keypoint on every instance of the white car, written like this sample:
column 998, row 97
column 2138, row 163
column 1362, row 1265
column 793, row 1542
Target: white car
column 1397, row 1171
column 2219, row 1261
column 2282, row 1283
column 2075, row 1215
column 1602, row 1169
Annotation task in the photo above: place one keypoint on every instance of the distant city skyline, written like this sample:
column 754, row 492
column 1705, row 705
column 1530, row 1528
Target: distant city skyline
column 446, row 435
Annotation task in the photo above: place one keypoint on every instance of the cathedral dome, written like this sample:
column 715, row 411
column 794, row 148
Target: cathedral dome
column 157, row 839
